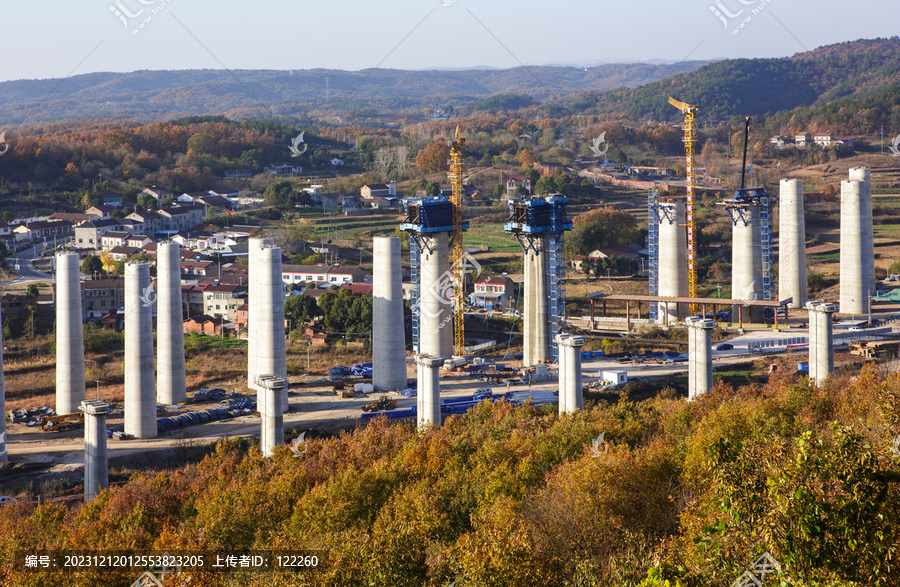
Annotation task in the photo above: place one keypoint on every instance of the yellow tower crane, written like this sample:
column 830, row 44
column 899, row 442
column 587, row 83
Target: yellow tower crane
column 457, row 263
column 690, row 115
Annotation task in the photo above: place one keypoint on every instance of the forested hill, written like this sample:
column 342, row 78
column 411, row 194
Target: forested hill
column 163, row 95
column 752, row 87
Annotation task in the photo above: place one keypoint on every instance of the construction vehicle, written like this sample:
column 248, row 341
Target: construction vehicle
column 61, row 422
column 384, row 403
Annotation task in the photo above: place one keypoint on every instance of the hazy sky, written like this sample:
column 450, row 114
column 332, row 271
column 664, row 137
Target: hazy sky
column 56, row 38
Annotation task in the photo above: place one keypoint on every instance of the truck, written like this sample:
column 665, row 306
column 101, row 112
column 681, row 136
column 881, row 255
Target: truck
column 454, row 362
column 61, row 422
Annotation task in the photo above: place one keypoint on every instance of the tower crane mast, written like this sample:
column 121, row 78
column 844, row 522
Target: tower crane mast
column 457, row 262
column 690, row 115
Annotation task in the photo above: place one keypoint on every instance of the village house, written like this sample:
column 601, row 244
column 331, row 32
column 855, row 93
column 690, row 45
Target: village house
column 493, row 292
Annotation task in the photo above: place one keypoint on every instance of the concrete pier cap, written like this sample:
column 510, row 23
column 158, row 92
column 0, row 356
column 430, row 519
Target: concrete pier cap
column 700, row 367
column 428, row 398
column 821, row 341
column 96, row 461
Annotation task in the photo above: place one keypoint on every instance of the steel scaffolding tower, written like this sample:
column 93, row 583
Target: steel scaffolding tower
column 414, row 292
column 424, row 218
column 765, row 227
column 536, row 218
column 653, row 221
column 738, row 209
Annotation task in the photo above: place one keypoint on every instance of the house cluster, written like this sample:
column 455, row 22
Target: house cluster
column 214, row 293
column 100, row 228
column 214, row 280
column 630, row 251
column 823, row 139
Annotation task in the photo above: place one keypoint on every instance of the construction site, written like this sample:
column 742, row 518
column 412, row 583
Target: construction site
column 757, row 317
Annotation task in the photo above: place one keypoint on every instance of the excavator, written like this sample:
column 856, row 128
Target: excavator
column 384, row 403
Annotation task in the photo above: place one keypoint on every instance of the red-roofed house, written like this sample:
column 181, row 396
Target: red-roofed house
column 222, row 301
column 493, row 292
column 359, row 288
column 123, row 252
column 204, row 325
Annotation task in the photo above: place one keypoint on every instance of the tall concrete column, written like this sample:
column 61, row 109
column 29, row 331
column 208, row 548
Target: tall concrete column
column 574, row 386
column 388, row 336
column 864, row 176
column 855, row 286
column 700, row 364
column 140, row 395
column 272, row 421
column 254, row 293
column 792, row 244
column 537, row 316
column 673, row 268
column 4, row 454
column 436, row 297
column 171, row 386
column 96, row 463
column 266, row 350
column 821, row 341
column 746, row 262
column 70, row 386
column 429, row 388
column 561, row 340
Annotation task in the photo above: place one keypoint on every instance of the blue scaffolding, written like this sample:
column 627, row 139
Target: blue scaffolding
column 653, row 221
column 736, row 207
column 532, row 218
column 424, row 216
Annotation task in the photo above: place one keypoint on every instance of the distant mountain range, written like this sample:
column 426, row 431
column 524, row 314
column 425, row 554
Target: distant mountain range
column 724, row 89
column 739, row 87
column 164, row 95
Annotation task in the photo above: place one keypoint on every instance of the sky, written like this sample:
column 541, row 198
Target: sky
column 58, row 38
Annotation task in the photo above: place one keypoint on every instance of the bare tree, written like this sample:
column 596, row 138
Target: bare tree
column 402, row 155
column 384, row 158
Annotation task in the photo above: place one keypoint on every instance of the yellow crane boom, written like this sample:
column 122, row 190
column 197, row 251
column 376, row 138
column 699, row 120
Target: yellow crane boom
column 690, row 114
column 457, row 263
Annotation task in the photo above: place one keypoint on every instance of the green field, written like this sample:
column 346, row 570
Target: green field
column 887, row 230
column 825, row 258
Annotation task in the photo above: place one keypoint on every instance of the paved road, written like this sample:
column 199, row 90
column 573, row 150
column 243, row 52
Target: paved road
column 308, row 409
column 21, row 264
